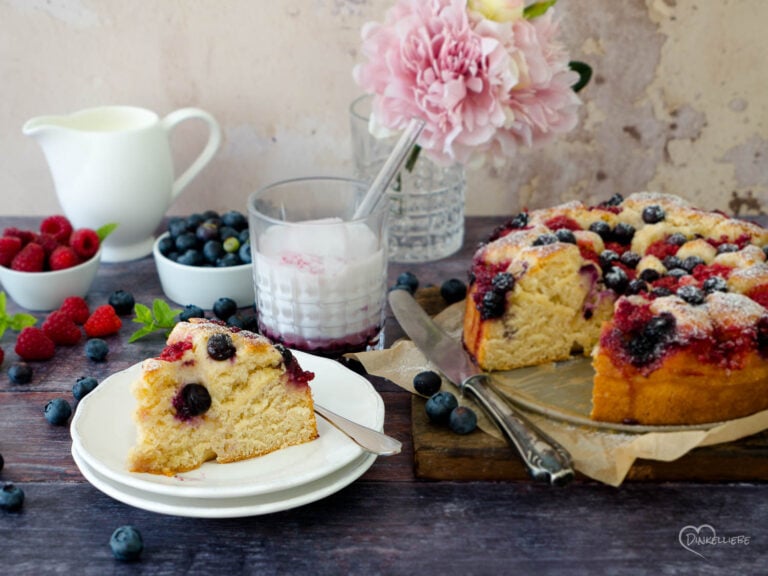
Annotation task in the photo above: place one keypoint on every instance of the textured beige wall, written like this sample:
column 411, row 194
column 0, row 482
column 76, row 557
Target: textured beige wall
column 678, row 102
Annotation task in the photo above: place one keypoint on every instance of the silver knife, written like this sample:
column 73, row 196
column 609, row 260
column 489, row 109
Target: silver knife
column 543, row 456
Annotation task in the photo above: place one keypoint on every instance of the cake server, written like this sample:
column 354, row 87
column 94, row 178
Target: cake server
column 543, row 456
column 367, row 438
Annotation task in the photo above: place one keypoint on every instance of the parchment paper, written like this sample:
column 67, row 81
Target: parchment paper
column 603, row 455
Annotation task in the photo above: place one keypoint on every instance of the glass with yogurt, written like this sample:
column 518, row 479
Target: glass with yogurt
column 319, row 273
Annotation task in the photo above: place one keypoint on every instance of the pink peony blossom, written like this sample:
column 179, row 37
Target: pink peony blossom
column 482, row 85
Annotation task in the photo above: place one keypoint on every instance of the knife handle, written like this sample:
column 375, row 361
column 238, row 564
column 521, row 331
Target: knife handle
column 544, row 457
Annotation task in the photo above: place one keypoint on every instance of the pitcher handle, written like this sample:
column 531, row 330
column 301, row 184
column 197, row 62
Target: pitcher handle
column 214, row 140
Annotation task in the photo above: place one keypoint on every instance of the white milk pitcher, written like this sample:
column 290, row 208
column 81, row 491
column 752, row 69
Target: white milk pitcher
column 114, row 164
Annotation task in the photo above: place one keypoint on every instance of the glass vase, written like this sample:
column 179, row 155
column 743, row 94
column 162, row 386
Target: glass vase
column 426, row 201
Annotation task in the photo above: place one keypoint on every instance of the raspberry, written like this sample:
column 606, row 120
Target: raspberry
column 48, row 242
column 63, row 257
column 60, row 328
column 85, row 243
column 33, row 344
column 31, row 258
column 57, row 226
column 76, row 308
column 9, row 247
column 25, row 236
column 103, row 322
column 2, row 356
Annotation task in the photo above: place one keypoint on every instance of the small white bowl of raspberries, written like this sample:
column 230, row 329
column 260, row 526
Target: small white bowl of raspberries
column 40, row 268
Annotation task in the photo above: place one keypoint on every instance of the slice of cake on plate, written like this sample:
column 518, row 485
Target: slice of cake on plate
column 218, row 393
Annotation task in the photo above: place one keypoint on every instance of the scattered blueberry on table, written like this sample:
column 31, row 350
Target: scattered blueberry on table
column 427, row 382
column 83, row 386
column 96, row 349
column 453, row 290
column 462, row 420
column 57, row 412
column 223, row 308
column 122, row 301
column 126, row 543
column 11, row 497
column 440, row 405
column 20, row 373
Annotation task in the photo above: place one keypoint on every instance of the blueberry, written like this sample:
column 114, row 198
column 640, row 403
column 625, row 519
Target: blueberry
column 453, row 290
column 83, row 386
column 212, row 251
column 636, row 286
column 176, row 227
column 166, row 245
column 691, row 294
column 231, row 244
column 614, row 200
column 191, row 257
column 223, row 308
column 677, row 239
column 653, row 214
column 645, row 346
column 607, row 258
column 630, row 259
column 194, row 220
column 186, row 241
column 462, row 420
column 503, row 282
column 616, row 279
column 2, row 462
column 440, row 405
column 244, row 236
column 193, row 400
column 677, row 273
column 228, row 232
column 20, row 373
column 57, row 412
column 602, row 229
column 623, row 233
column 126, row 543
column 208, row 230
column 545, row 239
column 244, row 322
column 672, row 262
column 191, row 311
column 493, row 305
column 211, row 215
column 649, row 275
column 714, row 284
column 245, row 252
column 96, row 349
column 11, row 497
column 409, row 280
column 228, row 260
column 565, row 235
column 661, row 291
column 427, row 382
column 122, row 302
column 691, row 262
column 220, row 346
column 234, row 219
column 519, row 221
column 726, row 248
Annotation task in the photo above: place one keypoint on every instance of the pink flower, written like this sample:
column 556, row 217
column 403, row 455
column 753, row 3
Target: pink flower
column 426, row 61
column 483, row 85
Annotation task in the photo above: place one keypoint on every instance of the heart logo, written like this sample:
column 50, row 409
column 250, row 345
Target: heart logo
column 696, row 535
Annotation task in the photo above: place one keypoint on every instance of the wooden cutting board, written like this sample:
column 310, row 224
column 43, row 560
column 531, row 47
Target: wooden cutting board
column 440, row 454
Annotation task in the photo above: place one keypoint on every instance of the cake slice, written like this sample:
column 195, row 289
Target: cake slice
column 218, row 393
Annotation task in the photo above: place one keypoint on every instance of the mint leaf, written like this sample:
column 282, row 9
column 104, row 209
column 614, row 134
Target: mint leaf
column 538, row 9
column 106, row 230
column 16, row 322
column 160, row 317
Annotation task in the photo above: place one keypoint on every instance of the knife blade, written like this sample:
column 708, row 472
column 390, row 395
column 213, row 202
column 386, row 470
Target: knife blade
column 544, row 457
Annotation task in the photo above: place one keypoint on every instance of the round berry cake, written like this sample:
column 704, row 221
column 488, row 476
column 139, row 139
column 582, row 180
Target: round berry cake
column 218, row 392
column 670, row 301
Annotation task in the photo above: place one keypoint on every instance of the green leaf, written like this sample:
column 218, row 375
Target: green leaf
column 160, row 317
column 106, row 230
column 20, row 321
column 143, row 314
column 538, row 9
column 140, row 333
column 584, row 71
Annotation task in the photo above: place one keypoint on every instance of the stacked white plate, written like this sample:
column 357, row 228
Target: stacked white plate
column 103, row 432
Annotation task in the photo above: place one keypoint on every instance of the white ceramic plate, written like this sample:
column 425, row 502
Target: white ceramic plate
column 103, row 432
column 227, row 507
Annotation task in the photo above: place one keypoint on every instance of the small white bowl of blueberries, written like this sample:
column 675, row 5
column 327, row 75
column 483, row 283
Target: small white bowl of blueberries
column 204, row 257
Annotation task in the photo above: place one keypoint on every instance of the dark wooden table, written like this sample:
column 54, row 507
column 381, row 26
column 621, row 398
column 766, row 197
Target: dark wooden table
column 388, row 522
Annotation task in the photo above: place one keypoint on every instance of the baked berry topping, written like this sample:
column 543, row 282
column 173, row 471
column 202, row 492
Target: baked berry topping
column 647, row 345
column 623, row 233
column 691, row 262
column 493, row 305
column 691, row 294
column 175, row 351
column 653, row 214
column 565, row 235
column 661, row 291
column 562, row 221
column 726, row 248
column 545, row 239
column 503, row 282
column 677, row 273
column 630, row 259
column 650, row 275
column 636, row 286
column 608, row 258
column 602, row 229
column 285, row 353
column 192, row 400
column 220, row 347
column 671, row 262
column 714, row 284
column 616, row 279
column 614, row 200
column 516, row 223
column 677, row 239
